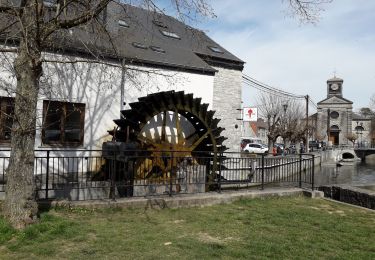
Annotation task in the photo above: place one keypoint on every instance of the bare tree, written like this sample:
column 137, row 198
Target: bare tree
column 27, row 30
column 270, row 107
column 295, row 128
column 284, row 118
column 372, row 102
column 367, row 112
column 307, row 11
column 351, row 137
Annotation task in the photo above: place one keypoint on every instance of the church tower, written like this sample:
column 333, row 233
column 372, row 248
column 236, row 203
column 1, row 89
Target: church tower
column 334, row 87
column 334, row 114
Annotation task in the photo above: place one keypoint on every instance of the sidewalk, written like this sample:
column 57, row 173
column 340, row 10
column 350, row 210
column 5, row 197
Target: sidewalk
column 188, row 200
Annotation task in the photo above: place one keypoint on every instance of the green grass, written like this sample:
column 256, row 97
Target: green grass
column 284, row 228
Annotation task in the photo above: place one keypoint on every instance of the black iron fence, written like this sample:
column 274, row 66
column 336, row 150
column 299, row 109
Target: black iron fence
column 89, row 174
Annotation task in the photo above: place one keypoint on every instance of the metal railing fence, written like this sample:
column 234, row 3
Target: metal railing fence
column 91, row 174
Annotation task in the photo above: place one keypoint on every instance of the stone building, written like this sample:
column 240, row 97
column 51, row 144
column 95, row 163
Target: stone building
column 362, row 128
column 142, row 52
column 334, row 121
column 258, row 129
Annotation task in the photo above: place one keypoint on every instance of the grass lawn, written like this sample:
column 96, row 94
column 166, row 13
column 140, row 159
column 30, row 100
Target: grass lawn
column 277, row 228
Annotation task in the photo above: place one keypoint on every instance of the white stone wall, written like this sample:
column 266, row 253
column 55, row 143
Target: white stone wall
column 99, row 86
column 364, row 137
column 344, row 121
column 226, row 101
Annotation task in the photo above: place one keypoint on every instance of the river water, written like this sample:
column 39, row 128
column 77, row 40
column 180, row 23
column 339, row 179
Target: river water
column 360, row 173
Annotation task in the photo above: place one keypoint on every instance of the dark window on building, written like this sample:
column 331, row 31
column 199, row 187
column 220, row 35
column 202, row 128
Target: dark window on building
column 335, row 128
column 123, row 23
column 157, row 49
column 170, row 34
column 215, row 49
column 334, row 114
column 6, row 118
column 359, row 128
column 139, row 45
column 159, row 23
column 63, row 123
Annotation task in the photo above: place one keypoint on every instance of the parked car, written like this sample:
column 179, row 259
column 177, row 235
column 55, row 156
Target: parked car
column 249, row 140
column 315, row 145
column 256, row 148
column 291, row 149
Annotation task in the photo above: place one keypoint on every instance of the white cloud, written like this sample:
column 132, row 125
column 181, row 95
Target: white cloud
column 300, row 58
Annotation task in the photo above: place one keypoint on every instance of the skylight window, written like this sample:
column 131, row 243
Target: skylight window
column 216, row 49
column 170, row 34
column 159, row 23
column 157, row 49
column 123, row 23
column 50, row 3
column 139, row 45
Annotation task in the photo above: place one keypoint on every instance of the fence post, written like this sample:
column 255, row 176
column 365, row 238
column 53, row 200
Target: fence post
column 219, row 182
column 47, row 173
column 170, row 176
column 262, row 188
column 313, row 172
column 113, row 176
column 300, row 171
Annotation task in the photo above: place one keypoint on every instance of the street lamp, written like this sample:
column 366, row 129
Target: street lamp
column 285, row 107
column 359, row 131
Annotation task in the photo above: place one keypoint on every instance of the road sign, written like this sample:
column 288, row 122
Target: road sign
column 250, row 114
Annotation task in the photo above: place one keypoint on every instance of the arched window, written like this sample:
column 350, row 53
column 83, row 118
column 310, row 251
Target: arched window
column 335, row 128
column 359, row 128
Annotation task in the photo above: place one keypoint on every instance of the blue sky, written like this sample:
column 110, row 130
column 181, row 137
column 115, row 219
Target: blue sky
column 295, row 57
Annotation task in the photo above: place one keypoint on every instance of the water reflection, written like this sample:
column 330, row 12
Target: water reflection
column 356, row 174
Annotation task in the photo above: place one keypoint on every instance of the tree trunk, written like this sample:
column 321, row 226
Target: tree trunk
column 20, row 206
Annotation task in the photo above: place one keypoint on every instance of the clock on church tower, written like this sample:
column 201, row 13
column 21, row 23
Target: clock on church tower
column 334, row 87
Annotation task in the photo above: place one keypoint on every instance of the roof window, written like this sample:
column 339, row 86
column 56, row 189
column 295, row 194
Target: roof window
column 123, row 23
column 157, row 49
column 215, row 49
column 159, row 23
column 139, row 45
column 170, row 34
column 50, row 4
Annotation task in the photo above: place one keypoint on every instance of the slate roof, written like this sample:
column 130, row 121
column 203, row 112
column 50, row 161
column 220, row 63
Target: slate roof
column 335, row 79
column 191, row 51
column 341, row 99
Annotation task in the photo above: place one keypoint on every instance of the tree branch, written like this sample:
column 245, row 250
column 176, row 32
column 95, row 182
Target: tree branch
column 11, row 10
column 149, row 71
column 85, row 17
column 307, row 10
column 8, row 50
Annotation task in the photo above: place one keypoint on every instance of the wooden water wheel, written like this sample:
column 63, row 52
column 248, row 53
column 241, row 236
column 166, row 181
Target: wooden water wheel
column 170, row 126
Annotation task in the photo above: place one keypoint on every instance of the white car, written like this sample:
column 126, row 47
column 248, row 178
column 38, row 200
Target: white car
column 255, row 148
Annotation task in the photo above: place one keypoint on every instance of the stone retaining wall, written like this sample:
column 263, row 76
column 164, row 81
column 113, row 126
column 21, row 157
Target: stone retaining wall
column 350, row 194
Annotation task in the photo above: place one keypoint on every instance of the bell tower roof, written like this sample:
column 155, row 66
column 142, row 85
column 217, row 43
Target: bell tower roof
column 335, row 79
